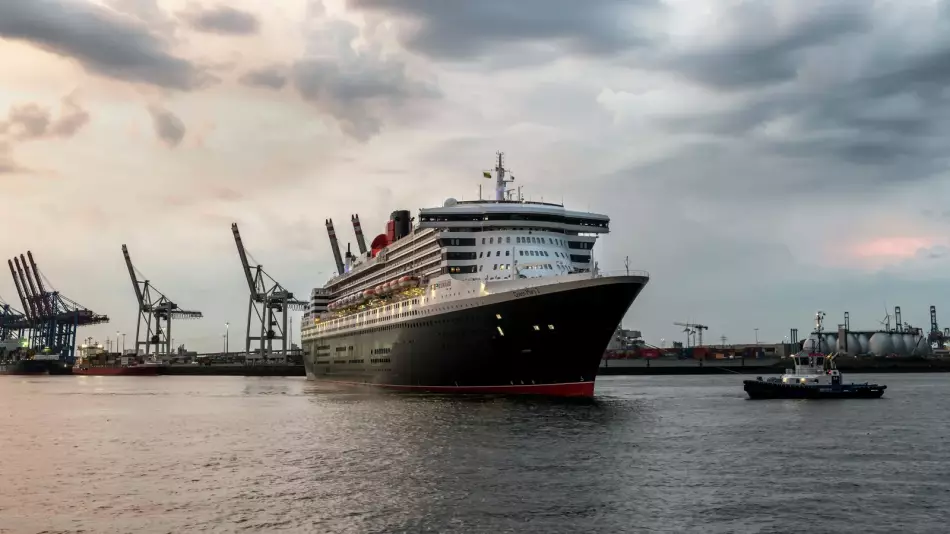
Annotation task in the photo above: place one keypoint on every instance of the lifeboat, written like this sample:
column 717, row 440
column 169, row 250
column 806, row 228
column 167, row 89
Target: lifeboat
column 369, row 293
column 394, row 285
column 380, row 289
column 405, row 282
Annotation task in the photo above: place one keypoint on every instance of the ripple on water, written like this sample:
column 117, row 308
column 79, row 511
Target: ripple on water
column 651, row 454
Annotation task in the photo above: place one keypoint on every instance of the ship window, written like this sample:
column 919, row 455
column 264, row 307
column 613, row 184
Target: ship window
column 536, row 327
column 491, row 240
column 480, row 268
column 495, row 268
column 819, row 362
column 480, row 254
column 500, row 331
column 497, row 253
column 550, row 327
column 507, row 253
column 507, row 240
column 483, row 240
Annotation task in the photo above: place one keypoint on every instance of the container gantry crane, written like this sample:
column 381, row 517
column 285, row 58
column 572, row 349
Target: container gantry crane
column 693, row 328
column 154, row 308
column 267, row 298
column 50, row 317
column 13, row 323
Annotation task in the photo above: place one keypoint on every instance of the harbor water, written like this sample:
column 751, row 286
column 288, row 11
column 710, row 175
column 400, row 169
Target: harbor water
column 649, row 454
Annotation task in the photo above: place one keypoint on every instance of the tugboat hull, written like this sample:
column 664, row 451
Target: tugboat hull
column 760, row 389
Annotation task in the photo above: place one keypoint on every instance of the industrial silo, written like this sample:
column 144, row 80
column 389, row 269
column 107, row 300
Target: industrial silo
column 897, row 341
column 880, row 344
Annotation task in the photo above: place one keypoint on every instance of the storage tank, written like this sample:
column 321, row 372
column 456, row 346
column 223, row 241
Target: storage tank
column 853, row 347
column 922, row 347
column 811, row 344
column 910, row 343
column 897, row 340
column 880, row 344
column 864, row 343
column 832, row 341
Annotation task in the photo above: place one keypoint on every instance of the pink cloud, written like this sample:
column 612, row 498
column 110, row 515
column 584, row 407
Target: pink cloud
column 902, row 247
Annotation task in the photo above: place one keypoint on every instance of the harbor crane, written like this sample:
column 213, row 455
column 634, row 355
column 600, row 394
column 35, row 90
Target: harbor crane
column 13, row 323
column 693, row 328
column 154, row 308
column 50, row 318
column 267, row 299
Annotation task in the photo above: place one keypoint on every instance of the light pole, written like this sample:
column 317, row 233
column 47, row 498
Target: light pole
column 117, row 341
column 227, row 336
column 123, row 343
column 756, row 336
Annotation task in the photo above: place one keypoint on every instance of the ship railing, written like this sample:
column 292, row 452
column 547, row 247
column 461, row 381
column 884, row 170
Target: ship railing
column 600, row 273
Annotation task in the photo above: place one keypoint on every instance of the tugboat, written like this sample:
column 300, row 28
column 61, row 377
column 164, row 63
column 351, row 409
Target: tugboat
column 814, row 377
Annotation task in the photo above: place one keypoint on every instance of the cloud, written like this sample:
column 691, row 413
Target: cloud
column 7, row 165
column 168, row 127
column 221, row 19
column 360, row 88
column 104, row 42
column 271, row 77
column 31, row 121
column 464, row 30
column 148, row 12
column 756, row 44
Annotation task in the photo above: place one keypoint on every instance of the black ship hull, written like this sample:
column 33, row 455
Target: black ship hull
column 760, row 389
column 546, row 341
column 24, row 367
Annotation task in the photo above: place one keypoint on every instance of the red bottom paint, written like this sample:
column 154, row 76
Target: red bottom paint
column 571, row 389
column 138, row 370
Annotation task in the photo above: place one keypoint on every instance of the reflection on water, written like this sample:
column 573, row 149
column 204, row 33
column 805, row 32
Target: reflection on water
column 671, row 454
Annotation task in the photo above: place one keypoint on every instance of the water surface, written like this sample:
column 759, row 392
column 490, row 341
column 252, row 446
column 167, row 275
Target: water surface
column 650, row 454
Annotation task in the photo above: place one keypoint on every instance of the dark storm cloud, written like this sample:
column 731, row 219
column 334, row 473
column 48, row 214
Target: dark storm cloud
column 357, row 94
column 463, row 29
column 103, row 41
column 272, row 77
column 221, row 19
column 360, row 88
column 147, row 11
column 168, row 127
column 761, row 54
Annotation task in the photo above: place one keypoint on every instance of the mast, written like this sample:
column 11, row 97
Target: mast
column 500, row 181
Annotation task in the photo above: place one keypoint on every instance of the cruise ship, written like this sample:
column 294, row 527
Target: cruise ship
column 487, row 296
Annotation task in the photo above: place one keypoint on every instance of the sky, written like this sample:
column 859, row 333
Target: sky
column 761, row 159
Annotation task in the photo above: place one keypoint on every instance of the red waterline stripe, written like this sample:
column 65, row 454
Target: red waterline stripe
column 568, row 389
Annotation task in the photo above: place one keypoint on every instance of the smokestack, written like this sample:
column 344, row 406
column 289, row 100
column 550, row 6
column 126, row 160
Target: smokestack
column 335, row 246
column 401, row 228
column 360, row 241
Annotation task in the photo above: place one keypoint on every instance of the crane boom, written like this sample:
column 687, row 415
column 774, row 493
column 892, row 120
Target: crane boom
column 244, row 263
column 135, row 280
column 30, row 295
column 19, row 292
column 47, row 306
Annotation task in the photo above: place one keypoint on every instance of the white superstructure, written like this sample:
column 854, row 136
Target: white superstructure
column 459, row 251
